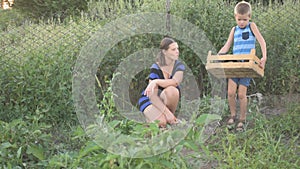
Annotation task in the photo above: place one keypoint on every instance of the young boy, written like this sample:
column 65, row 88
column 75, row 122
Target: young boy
column 243, row 36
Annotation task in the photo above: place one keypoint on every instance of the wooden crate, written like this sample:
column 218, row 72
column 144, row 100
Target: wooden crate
column 229, row 66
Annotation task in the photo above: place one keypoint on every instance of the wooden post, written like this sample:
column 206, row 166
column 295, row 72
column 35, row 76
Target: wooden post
column 168, row 27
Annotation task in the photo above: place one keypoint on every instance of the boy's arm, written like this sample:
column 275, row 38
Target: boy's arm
column 228, row 43
column 261, row 42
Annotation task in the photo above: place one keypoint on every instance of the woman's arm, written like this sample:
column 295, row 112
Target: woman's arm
column 175, row 81
column 228, row 43
column 261, row 42
column 153, row 84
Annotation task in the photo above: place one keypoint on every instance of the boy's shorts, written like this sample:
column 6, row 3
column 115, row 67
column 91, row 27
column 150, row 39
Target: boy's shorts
column 242, row 81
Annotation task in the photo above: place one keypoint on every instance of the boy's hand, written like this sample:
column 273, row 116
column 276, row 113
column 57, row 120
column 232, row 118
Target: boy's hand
column 262, row 62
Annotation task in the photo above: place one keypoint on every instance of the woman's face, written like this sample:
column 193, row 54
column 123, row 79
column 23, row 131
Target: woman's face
column 173, row 52
column 242, row 20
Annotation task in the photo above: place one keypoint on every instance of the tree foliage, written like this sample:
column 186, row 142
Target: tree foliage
column 51, row 8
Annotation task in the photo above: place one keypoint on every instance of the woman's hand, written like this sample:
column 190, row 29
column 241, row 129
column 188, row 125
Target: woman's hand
column 150, row 88
column 171, row 119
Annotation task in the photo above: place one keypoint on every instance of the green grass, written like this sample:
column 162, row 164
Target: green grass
column 39, row 127
column 271, row 142
column 267, row 142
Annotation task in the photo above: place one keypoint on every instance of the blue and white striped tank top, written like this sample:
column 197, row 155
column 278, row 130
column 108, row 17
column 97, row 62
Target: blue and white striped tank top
column 244, row 40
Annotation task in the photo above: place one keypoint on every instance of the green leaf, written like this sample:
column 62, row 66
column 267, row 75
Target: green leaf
column 36, row 151
column 114, row 123
column 6, row 145
column 207, row 118
column 19, row 152
column 167, row 164
column 90, row 147
column 178, row 148
column 191, row 145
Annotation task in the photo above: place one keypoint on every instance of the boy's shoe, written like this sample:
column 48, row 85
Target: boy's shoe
column 231, row 122
column 241, row 125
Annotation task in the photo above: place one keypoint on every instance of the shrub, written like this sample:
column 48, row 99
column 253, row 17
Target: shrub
column 10, row 18
column 50, row 8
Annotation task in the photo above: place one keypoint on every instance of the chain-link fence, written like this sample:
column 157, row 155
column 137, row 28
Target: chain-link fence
column 22, row 43
column 40, row 82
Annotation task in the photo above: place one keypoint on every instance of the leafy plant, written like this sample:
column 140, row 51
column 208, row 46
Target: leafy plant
column 38, row 124
column 50, row 9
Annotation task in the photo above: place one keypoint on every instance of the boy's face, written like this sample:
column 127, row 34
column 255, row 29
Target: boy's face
column 242, row 20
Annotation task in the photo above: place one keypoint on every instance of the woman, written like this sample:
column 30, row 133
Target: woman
column 160, row 98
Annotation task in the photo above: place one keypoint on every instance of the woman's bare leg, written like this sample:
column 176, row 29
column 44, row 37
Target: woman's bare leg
column 160, row 105
column 170, row 97
column 152, row 113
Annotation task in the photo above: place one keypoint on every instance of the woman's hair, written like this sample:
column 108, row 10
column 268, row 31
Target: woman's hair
column 243, row 8
column 164, row 45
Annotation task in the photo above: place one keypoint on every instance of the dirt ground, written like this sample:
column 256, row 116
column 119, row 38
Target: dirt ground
column 276, row 105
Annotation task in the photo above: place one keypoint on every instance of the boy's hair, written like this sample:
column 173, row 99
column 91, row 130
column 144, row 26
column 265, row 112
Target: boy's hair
column 243, row 8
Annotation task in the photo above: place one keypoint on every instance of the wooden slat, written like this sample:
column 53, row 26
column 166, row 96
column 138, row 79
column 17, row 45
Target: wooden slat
column 249, row 68
column 229, row 57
